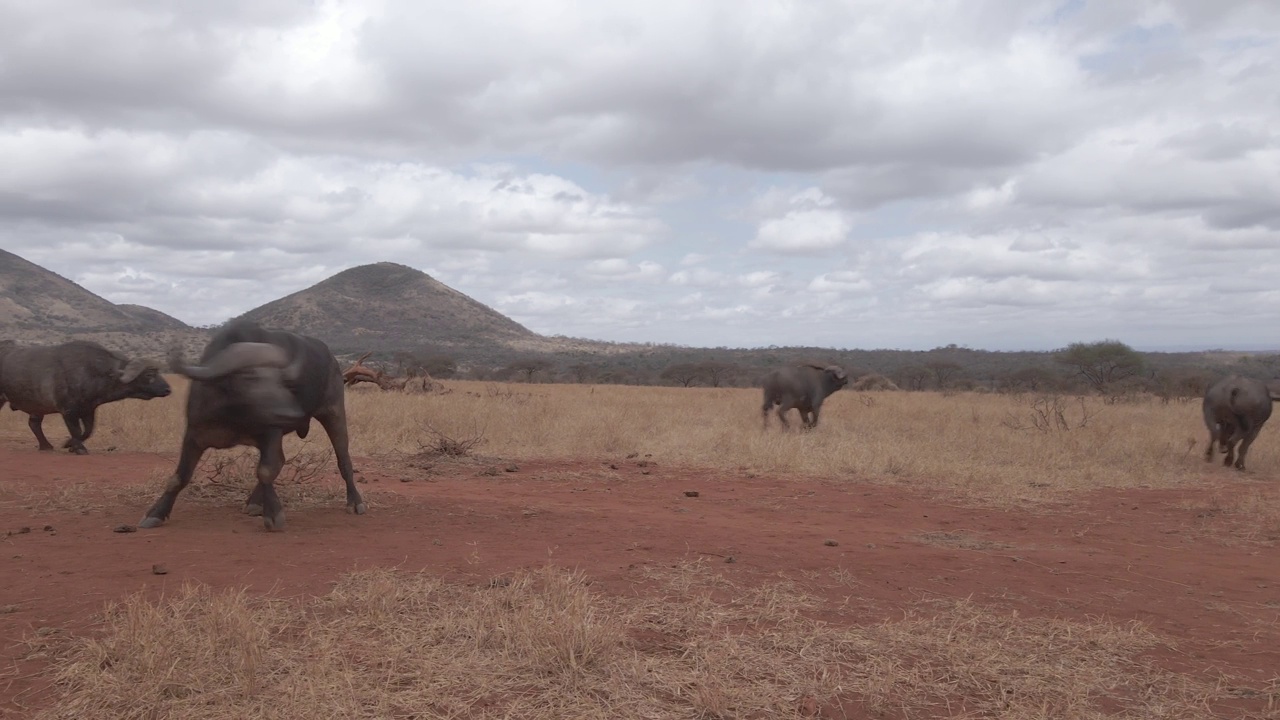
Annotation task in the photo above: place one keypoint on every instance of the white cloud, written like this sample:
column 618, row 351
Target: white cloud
column 841, row 282
column 620, row 270
column 999, row 172
column 809, row 223
column 803, row 231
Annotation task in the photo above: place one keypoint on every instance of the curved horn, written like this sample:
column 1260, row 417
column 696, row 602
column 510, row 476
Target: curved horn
column 839, row 371
column 237, row 356
column 132, row 370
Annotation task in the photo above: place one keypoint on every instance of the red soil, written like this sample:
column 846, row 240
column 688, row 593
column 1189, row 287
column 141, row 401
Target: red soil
column 1204, row 579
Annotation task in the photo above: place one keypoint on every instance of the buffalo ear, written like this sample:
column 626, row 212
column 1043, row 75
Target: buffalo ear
column 132, row 370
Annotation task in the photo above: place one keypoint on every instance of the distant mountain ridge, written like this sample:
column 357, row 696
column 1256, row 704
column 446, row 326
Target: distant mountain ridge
column 388, row 306
column 38, row 306
column 153, row 317
column 33, row 298
column 382, row 307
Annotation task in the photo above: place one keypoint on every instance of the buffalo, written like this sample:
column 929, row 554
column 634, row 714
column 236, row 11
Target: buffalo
column 254, row 386
column 1235, row 409
column 72, row 380
column 802, row 387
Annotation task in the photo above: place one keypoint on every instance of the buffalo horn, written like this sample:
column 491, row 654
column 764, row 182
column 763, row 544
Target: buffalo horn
column 238, row 356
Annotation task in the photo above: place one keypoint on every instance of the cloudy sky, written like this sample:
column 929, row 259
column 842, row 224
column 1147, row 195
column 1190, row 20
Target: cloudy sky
column 1004, row 174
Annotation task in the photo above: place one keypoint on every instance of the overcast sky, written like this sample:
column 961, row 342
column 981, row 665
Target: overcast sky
column 1006, row 175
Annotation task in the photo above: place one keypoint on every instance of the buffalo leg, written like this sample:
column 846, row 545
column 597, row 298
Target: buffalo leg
column 83, row 429
column 75, row 441
column 1249, row 434
column 782, row 417
column 36, row 423
column 270, row 463
column 187, row 461
column 89, row 419
column 253, row 506
column 765, row 408
column 335, row 426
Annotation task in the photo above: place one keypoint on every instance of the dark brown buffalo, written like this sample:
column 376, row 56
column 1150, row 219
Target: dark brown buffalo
column 1235, row 409
column 802, row 387
column 253, row 387
column 72, row 379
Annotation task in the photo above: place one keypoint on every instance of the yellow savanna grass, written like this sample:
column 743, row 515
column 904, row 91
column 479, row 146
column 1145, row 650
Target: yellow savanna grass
column 985, row 446
column 541, row 644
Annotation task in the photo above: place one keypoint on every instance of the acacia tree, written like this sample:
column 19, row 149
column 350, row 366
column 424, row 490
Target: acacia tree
column 1033, row 378
column 1103, row 363
column 581, row 372
column 717, row 373
column 439, row 366
column 944, row 371
column 529, row 366
column 684, row 374
column 912, row 377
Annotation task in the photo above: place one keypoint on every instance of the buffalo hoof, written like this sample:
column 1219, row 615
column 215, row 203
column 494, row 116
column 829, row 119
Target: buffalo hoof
column 273, row 524
column 45, row 448
column 357, row 509
column 80, row 451
column 150, row 522
column 252, row 509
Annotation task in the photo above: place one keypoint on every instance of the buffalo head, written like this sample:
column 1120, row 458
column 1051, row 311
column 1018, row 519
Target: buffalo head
column 838, row 375
column 255, row 379
column 143, row 380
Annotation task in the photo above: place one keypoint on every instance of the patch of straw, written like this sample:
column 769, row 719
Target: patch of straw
column 541, row 644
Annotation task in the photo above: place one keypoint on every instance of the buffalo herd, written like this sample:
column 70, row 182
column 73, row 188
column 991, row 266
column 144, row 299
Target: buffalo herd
column 254, row 386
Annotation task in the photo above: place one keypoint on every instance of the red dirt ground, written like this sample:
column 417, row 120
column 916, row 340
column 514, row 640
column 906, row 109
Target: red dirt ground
column 1204, row 578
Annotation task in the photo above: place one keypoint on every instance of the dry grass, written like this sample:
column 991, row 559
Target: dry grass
column 985, row 446
column 541, row 644
column 1250, row 516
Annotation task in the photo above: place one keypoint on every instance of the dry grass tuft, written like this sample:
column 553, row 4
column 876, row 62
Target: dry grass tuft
column 1250, row 516
column 541, row 644
column 75, row 497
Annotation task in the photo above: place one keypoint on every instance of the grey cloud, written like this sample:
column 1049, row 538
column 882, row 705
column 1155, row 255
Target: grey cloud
column 1231, row 217
column 1217, row 141
column 872, row 185
column 712, row 172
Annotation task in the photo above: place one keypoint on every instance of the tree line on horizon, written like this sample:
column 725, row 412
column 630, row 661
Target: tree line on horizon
column 1107, row 367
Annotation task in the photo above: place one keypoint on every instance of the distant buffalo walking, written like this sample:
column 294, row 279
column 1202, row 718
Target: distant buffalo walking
column 72, row 379
column 802, row 387
column 253, row 387
column 1235, row 409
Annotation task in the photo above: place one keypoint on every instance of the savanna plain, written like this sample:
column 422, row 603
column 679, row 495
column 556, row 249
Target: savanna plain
column 577, row 551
